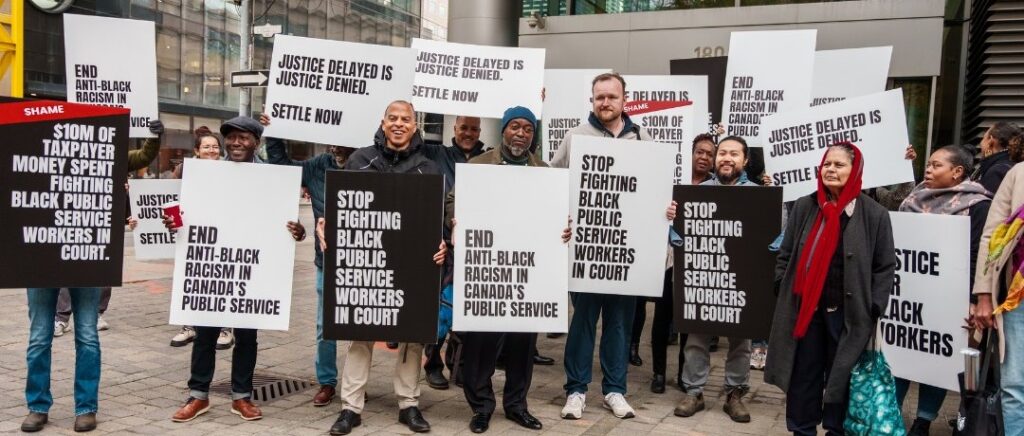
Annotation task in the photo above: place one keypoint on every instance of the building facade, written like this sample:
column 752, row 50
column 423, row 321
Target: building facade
column 643, row 36
column 198, row 45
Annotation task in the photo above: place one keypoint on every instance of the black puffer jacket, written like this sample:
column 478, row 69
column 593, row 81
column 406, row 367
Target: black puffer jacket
column 382, row 159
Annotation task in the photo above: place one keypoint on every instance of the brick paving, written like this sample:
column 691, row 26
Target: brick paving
column 144, row 379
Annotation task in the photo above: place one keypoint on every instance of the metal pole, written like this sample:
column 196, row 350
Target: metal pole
column 245, row 32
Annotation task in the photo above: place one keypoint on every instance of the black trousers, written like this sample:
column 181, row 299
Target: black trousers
column 204, row 359
column 812, row 364
column 639, row 318
column 662, row 329
column 433, row 352
column 481, row 351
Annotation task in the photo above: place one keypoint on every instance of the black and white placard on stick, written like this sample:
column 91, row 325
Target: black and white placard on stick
column 334, row 92
column 714, row 69
column 795, row 141
column 724, row 273
column 769, row 72
column 234, row 256
column 920, row 328
column 476, row 80
column 511, row 266
column 619, row 192
column 847, row 73
column 62, row 199
column 380, row 282
column 147, row 198
column 112, row 62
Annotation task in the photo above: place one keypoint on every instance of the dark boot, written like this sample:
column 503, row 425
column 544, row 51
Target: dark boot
column 34, row 422
column 634, row 355
column 920, row 427
column 658, row 384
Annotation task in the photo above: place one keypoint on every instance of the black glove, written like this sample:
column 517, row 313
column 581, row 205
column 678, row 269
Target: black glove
column 156, row 127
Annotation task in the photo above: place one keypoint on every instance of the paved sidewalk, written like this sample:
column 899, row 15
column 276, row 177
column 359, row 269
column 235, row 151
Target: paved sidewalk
column 144, row 379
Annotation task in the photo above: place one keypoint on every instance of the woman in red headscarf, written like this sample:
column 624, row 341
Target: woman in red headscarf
column 834, row 272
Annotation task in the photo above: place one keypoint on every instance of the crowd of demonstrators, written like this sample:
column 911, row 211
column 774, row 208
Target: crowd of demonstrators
column 206, row 146
column 827, row 308
column 241, row 138
column 945, row 190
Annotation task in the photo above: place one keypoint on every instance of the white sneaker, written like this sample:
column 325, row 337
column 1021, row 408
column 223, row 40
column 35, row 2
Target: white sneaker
column 225, row 340
column 574, row 406
column 101, row 325
column 618, row 405
column 60, row 327
column 184, row 337
column 757, row 358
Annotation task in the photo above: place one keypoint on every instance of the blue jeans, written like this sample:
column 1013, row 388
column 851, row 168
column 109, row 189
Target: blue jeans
column 1012, row 372
column 929, row 398
column 616, row 313
column 326, row 351
column 42, row 305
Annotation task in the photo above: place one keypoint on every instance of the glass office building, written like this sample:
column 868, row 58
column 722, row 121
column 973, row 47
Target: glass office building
column 198, row 45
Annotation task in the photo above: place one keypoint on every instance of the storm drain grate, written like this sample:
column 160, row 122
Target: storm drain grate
column 266, row 388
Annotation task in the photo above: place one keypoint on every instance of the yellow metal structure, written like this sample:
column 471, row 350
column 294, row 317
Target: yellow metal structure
column 12, row 47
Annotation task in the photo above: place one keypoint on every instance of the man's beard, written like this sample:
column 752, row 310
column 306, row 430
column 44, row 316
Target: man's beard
column 732, row 177
column 517, row 151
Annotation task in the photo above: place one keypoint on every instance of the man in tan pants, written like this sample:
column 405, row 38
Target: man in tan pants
column 396, row 149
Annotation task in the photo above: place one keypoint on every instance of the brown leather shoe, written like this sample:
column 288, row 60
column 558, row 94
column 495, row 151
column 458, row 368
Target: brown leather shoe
column 735, row 408
column 246, row 409
column 34, row 422
column 192, row 408
column 324, row 396
column 86, row 422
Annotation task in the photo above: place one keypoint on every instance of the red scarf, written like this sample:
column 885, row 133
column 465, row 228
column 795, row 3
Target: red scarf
column 821, row 242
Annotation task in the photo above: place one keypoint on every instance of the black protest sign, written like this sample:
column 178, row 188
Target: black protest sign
column 62, row 172
column 714, row 68
column 724, row 272
column 382, row 230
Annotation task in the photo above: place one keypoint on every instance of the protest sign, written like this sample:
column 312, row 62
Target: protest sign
column 847, row 73
column 112, row 62
column 714, row 69
column 566, row 105
column 511, row 266
column 667, row 107
column 724, row 266
column 620, row 189
column 380, row 282
column 234, row 258
column 769, row 72
column 920, row 328
column 795, row 141
column 334, row 92
column 62, row 172
column 146, row 198
column 476, row 80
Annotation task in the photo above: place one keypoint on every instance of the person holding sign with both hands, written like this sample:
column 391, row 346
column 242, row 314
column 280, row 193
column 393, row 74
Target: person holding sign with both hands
column 397, row 148
column 834, row 272
column 241, row 137
column 518, row 128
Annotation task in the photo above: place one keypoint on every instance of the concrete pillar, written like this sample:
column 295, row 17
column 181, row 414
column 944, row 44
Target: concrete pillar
column 483, row 22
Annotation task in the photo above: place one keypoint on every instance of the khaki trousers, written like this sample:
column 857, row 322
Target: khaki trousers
column 357, row 371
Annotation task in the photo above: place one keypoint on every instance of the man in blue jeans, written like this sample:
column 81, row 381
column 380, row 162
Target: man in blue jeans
column 42, row 306
column 608, row 120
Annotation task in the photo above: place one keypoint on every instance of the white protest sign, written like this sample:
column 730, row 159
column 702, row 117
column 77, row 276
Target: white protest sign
column 511, row 266
column 234, row 258
column 147, row 197
column 620, row 189
column 112, row 62
column 566, row 105
column 847, row 73
column 476, row 80
column 334, row 92
column 920, row 328
column 672, row 109
column 769, row 72
column 795, row 141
